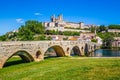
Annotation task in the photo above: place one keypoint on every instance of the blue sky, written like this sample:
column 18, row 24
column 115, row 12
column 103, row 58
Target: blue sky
column 14, row 13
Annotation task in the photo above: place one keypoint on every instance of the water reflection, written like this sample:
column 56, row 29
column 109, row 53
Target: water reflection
column 107, row 53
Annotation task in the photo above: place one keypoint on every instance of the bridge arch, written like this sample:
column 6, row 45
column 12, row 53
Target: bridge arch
column 58, row 50
column 75, row 51
column 24, row 55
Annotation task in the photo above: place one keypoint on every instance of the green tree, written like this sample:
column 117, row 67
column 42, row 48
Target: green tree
column 92, row 29
column 94, row 40
column 42, row 37
column 113, row 26
column 3, row 38
column 102, row 28
column 71, row 33
column 49, row 38
column 25, row 34
column 35, row 26
column 107, row 41
column 31, row 27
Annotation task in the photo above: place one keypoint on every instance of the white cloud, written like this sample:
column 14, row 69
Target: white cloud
column 20, row 20
column 38, row 14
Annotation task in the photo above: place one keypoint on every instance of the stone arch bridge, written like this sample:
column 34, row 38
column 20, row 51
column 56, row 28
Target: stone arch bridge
column 35, row 50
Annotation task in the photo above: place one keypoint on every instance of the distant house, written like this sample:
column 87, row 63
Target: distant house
column 56, row 37
column 116, row 42
column 99, row 40
column 87, row 35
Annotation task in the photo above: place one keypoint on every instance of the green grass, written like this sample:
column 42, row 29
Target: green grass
column 66, row 68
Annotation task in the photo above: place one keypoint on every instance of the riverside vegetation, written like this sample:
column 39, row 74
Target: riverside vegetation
column 63, row 68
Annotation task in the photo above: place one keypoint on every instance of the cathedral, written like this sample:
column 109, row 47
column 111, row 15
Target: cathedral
column 59, row 23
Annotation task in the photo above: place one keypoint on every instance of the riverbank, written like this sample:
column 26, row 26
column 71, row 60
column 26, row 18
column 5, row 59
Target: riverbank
column 65, row 68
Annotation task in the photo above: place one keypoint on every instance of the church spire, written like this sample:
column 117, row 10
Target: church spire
column 53, row 18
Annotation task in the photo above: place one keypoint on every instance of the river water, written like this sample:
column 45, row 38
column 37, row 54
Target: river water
column 107, row 53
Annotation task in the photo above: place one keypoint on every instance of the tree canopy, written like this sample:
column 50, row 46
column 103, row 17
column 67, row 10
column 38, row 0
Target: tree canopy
column 31, row 27
column 114, row 26
column 25, row 32
column 102, row 28
column 107, row 41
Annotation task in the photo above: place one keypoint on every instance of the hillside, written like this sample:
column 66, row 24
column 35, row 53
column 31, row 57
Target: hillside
column 34, row 30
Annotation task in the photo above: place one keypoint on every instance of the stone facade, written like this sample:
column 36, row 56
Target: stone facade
column 35, row 50
column 114, row 30
column 60, row 24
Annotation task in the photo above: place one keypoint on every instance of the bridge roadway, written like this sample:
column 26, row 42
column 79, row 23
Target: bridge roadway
column 35, row 50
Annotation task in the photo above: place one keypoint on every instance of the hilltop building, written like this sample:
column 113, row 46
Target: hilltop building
column 59, row 24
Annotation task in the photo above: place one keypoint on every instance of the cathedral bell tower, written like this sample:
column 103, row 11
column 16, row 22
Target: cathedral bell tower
column 60, row 17
column 53, row 18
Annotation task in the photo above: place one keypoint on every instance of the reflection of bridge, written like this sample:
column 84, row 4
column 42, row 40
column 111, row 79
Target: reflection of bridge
column 35, row 50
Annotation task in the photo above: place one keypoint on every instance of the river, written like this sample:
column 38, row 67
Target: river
column 107, row 53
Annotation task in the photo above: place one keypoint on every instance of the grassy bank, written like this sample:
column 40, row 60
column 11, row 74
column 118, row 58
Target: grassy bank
column 66, row 68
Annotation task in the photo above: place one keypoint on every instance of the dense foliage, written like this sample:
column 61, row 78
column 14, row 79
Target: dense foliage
column 26, row 32
column 108, row 38
column 94, row 40
column 100, row 28
column 103, row 35
column 66, row 33
column 71, row 33
column 114, row 26
column 3, row 38
column 107, row 41
column 92, row 29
